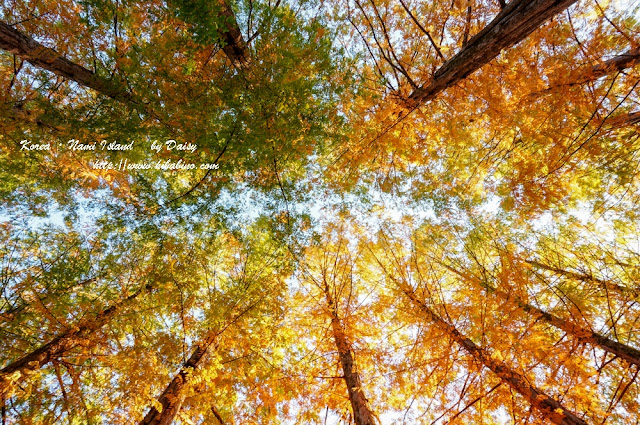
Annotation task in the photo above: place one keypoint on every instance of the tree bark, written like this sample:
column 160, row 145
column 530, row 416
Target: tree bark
column 234, row 45
column 589, row 278
column 630, row 354
column 217, row 415
column 362, row 413
column 35, row 53
column 623, row 351
column 19, row 369
column 43, row 57
column 173, row 396
column 624, row 120
column 548, row 406
column 615, row 64
column 516, row 21
column 9, row 315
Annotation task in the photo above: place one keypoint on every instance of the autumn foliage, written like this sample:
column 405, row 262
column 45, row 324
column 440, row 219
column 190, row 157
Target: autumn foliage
column 411, row 212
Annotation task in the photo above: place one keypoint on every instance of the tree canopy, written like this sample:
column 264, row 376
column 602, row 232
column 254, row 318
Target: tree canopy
column 319, row 212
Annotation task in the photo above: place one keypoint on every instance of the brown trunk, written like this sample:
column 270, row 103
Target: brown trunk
column 624, row 120
column 35, row 53
column 17, row 113
column 9, row 315
column 617, row 63
column 549, row 407
column 516, row 21
column 623, row 351
column 173, row 396
column 217, row 415
column 234, row 45
column 586, row 278
column 362, row 413
column 30, row 50
column 33, row 361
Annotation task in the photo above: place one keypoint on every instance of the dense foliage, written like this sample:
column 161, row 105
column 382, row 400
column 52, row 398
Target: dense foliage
column 336, row 212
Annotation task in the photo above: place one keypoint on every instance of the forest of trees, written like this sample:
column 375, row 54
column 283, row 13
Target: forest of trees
column 358, row 212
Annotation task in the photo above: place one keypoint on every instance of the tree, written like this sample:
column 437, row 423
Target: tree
column 549, row 407
column 333, row 276
column 60, row 345
column 412, row 212
column 515, row 21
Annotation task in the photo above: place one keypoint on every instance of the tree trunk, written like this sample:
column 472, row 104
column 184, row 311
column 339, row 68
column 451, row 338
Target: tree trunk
column 623, row 351
column 173, row 396
column 38, row 55
column 549, row 407
column 234, row 45
column 17, row 113
column 217, row 415
column 33, row 361
column 362, row 413
column 615, row 64
column 35, row 53
column 9, row 315
column 589, row 278
column 624, row 120
column 515, row 22
column 630, row 354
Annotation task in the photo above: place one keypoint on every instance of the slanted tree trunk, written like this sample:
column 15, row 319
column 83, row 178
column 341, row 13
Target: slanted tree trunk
column 548, row 406
column 234, row 45
column 173, row 396
column 630, row 354
column 602, row 68
column 19, row 369
column 9, row 315
column 517, row 20
column 362, row 413
column 610, row 286
column 17, row 113
column 35, row 53
column 43, row 57
column 623, row 351
column 617, row 63
column 217, row 415
column 624, row 120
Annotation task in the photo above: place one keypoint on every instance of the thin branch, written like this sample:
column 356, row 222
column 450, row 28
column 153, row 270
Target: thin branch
column 415, row 20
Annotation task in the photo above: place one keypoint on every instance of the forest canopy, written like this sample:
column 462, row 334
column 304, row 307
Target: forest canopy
column 319, row 212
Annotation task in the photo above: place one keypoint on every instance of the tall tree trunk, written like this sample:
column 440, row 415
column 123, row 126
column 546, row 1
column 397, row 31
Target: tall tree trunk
column 173, row 396
column 602, row 68
column 38, row 55
column 617, row 63
column 516, row 21
column 9, row 315
column 630, row 354
column 624, row 120
column 234, row 45
column 623, row 351
column 362, row 413
column 35, row 53
column 20, row 369
column 16, row 113
column 610, row 286
column 548, row 406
